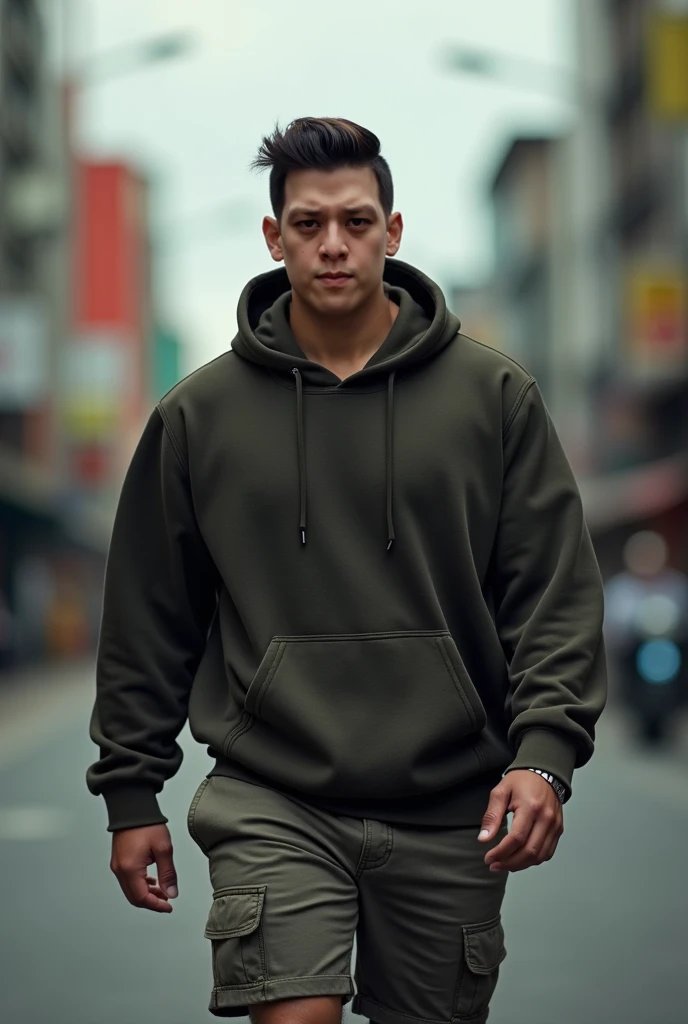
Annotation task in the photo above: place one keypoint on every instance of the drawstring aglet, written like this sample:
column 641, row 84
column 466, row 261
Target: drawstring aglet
column 303, row 536
column 390, row 543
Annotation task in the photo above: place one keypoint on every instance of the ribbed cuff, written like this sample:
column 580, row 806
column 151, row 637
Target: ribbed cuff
column 547, row 750
column 132, row 805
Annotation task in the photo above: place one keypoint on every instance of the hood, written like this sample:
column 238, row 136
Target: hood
column 422, row 328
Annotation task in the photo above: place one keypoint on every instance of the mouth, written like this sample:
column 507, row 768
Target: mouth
column 332, row 280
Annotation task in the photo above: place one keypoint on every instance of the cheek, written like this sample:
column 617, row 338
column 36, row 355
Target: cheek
column 376, row 247
column 298, row 261
column 372, row 255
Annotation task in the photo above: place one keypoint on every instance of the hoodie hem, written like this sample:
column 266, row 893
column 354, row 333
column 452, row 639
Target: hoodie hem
column 461, row 806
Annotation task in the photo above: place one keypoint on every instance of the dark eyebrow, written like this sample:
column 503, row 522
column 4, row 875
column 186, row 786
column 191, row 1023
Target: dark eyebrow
column 300, row 211
column 365, row 208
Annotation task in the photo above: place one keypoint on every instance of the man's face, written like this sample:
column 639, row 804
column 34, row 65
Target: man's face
column 333, row 237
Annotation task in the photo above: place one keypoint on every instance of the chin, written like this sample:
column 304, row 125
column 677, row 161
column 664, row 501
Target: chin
column 339, row 304
column 334, row 301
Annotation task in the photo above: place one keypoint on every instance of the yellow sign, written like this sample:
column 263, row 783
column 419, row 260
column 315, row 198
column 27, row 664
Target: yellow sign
column 667, row 65
column 656, row 306
column 91, row 420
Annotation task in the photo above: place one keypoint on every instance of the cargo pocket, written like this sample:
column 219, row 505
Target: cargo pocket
column 234, row 929
column 483, row 952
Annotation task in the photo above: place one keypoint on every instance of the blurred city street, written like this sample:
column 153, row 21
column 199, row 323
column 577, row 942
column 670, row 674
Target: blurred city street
column 540, row 159
column 596, row 935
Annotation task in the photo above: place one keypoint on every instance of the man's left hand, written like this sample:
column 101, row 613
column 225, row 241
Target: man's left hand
column 536, row 827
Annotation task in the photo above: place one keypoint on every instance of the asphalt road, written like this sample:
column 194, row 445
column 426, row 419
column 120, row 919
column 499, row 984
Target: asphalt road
column 598, row 935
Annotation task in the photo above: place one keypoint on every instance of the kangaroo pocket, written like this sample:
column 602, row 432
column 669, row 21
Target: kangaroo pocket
column 361, row 715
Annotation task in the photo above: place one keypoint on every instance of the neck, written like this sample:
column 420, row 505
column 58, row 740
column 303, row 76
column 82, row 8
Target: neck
column 343, row 344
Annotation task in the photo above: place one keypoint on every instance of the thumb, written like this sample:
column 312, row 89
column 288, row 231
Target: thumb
column 167, row 876
column 494, row 815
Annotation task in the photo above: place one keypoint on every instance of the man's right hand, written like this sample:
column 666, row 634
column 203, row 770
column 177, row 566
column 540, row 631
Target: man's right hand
column 133, row 850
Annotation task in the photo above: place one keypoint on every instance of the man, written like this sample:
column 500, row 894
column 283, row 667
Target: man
column 353, row 551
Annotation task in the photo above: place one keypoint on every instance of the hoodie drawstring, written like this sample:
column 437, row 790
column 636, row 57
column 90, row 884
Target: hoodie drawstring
column 389, row 456
column 302, row 453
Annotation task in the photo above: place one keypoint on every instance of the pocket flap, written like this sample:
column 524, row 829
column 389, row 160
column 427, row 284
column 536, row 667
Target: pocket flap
column 235, row 911
column 484, row 946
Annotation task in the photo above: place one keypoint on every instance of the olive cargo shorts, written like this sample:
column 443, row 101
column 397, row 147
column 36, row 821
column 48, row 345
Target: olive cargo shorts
column 292, row 885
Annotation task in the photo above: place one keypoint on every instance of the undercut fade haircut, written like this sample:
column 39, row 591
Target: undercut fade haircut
column 327, row 143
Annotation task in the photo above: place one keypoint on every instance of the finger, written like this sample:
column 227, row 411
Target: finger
column 533, row 850
column 167, row 876
column 152, row 882
column 152, row 899
column 152, row 902
column 551, row 845
column 521, row 827
column 494, row 815
column 157, row 891
column 135, row 887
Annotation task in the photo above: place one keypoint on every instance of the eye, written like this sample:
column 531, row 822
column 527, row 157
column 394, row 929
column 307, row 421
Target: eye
column 306, row 223
column 360, row 221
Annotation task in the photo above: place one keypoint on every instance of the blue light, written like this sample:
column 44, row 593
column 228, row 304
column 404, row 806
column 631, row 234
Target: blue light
column 658, row 661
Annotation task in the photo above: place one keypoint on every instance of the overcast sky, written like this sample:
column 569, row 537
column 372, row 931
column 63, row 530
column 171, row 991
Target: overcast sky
column 195, row 123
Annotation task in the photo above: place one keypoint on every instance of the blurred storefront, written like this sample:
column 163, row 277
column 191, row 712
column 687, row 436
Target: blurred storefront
column 590, row 281
column 32, row 203
column 106, row 362
column 82, row 355
column 167, row 359
column 522, row 197
column 642, row 397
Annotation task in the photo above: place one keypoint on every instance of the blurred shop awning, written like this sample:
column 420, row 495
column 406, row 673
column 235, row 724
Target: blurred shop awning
column 636, row 493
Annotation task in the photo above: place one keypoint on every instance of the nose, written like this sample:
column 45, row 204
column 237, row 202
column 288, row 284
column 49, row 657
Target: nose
column 333, row 245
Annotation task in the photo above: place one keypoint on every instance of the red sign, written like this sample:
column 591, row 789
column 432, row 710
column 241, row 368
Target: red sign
column 111, row 308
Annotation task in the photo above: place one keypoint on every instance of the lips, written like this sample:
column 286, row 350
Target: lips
column 335, row 277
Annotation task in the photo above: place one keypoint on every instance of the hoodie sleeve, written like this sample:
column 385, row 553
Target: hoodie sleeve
column 159, row 598
column 549, row 599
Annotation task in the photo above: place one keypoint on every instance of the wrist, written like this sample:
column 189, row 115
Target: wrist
column 557, row 785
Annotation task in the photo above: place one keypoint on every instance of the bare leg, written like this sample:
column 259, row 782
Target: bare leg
column 307, row 1010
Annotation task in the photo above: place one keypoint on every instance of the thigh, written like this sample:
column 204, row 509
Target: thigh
column 285, row 901
column 430, row 937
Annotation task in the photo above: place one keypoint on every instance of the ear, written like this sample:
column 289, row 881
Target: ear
column 273, row 238
column 395, row 228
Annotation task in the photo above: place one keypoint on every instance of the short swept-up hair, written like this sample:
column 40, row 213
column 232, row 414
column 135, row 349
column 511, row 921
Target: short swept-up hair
column 321, row 142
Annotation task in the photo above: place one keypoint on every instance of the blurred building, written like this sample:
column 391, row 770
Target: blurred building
column 166, row 370
column 640, row 396
column 646, row 388
column 23, row 316
column 478, row 313
column 83, row 351
column 591, row 270
column 106, row 361
column 30, row 210
column 524, row 206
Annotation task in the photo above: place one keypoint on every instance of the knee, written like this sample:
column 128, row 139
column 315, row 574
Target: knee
column 307, row 1010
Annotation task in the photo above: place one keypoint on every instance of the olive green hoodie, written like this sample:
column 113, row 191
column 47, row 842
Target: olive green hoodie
column 377, row 594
